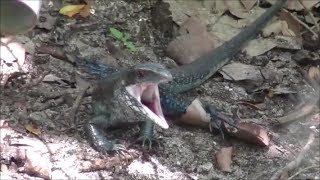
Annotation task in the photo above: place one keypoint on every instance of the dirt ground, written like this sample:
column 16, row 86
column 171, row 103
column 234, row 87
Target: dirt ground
column 42, row 94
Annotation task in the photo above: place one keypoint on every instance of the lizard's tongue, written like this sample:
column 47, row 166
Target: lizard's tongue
column 148, row 96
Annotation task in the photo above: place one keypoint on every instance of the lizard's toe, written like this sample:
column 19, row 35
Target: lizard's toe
column 148, row 141
column 109, row 147
column 119, row 148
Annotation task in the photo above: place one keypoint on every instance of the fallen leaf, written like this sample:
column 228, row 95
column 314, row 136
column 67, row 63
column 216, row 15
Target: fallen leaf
column 296, row 5
column 116, row 33
column 32, row 129
column 85, row 11
column 292, row 25
column 220, row 7
column 248, row 4
column 181, row 10
column 11, row 51
column 71, row 10
column 51, row 78
column 259, row 46
column 239, row 71
column 223, row 158
column 251, row 132
column 237, row 9
column 311, row 20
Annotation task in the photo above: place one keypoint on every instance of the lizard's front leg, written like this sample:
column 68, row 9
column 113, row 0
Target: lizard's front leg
column 97, row 137
column 146, row 134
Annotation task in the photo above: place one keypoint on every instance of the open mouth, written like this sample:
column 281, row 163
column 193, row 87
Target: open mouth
column 147, row 94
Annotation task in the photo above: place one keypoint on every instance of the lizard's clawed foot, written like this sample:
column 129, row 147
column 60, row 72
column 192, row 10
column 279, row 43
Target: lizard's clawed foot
column 99, row 141
column 218, row 120
column 109, row 147
column 148, row 141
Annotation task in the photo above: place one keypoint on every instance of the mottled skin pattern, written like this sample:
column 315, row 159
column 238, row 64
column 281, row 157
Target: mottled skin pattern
column 113, row 106
column 189, row 76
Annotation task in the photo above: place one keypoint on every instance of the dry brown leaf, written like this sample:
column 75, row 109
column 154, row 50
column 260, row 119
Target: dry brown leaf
column 85, row 12
column 223, row 158
column 32, row 129
column 291, row 27
column 252, row 133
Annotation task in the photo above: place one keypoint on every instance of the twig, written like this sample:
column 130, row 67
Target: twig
column 311, row 15
column 299, row 113
column 304, row 169
column 296, row 162
column 76, row 104
column 304, row 25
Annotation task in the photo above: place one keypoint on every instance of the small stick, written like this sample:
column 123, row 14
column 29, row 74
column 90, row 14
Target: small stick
column 77, row 103
column 311, row 15
column 304, row 25
column 304, row 169
column 296, row 162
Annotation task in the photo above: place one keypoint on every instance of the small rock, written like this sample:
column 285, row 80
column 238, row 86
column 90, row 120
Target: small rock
column 187, row 48
column 38, row 116
column 205, row 167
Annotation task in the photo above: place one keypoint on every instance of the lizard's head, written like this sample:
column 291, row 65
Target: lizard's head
column 144, row 87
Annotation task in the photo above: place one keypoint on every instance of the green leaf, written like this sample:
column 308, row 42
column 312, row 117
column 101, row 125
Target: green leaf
column 126, row 37
column 130, row 46
column 116, row 33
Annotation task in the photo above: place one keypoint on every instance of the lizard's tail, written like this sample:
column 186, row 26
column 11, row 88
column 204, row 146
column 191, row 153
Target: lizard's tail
column 192, row 75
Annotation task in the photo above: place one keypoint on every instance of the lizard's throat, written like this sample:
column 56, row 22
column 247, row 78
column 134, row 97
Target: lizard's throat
column 148, row 96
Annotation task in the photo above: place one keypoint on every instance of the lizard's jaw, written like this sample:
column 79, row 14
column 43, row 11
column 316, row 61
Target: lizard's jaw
column 148, row 97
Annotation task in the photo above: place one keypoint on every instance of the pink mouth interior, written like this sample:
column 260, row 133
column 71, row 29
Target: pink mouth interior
column 148, row 96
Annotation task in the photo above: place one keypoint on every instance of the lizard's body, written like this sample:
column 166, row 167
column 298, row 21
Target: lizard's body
column 114, row 101
column 192, row 75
